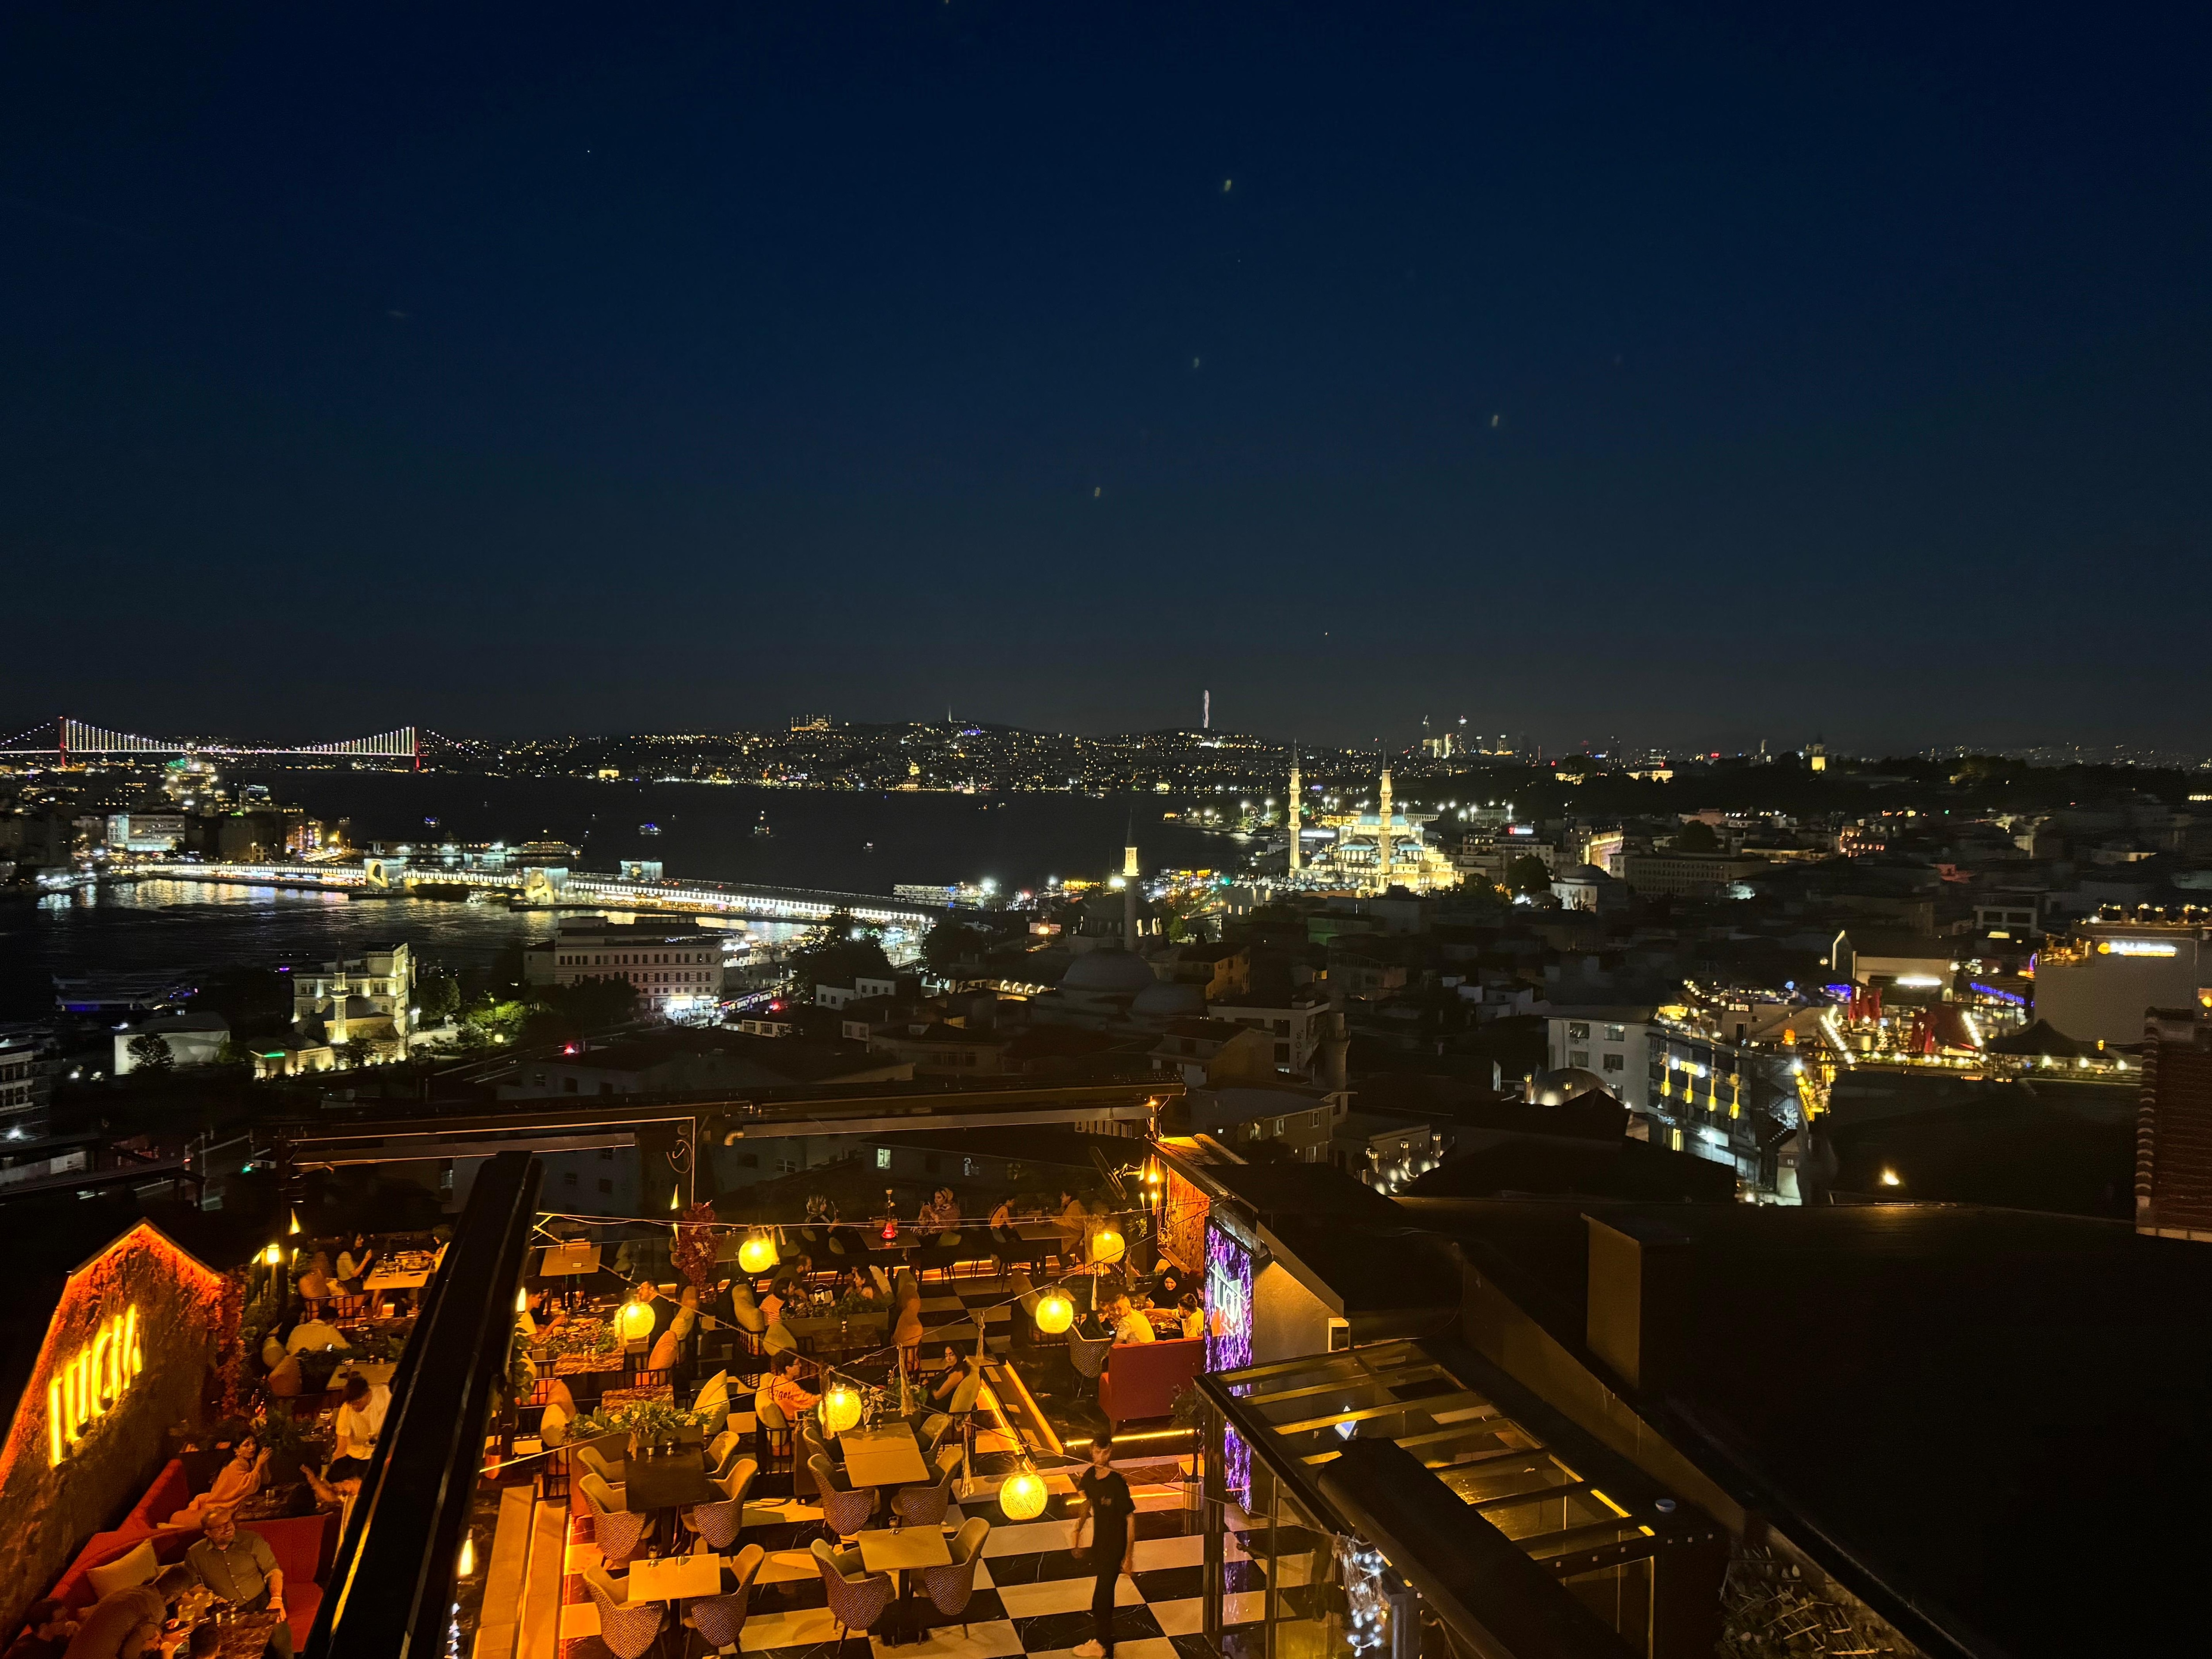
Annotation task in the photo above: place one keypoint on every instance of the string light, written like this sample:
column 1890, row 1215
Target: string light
column 757, row 1254
column 1022, row 1495
column 840, row 1408
column 636, row 1322
column 1056, row 1311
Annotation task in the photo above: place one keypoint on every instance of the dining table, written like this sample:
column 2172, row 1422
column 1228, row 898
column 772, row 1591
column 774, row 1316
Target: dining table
column 667, row 1483
column 243, row 1635
column 675, row 1578
column 896, row 1550
column 887, row 1454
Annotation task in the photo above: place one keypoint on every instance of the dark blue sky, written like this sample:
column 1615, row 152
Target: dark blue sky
column 1681, row 372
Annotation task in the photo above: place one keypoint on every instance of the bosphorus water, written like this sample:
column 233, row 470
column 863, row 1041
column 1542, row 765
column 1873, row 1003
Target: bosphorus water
column 846, row 840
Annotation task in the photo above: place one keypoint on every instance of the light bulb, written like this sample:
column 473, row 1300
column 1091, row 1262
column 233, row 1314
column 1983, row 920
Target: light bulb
column 841, row 1407
column 1056, row 1311
column 636, row 1322
column 1106, row 1245
column 1022, row 1497
column 757, row 1254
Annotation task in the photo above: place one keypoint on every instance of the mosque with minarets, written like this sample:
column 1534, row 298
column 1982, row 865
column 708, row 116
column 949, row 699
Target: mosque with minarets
column 1373, row 852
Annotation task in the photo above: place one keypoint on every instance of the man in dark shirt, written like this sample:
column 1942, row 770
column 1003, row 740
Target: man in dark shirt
column 47, row 1628
column 1106, row 1533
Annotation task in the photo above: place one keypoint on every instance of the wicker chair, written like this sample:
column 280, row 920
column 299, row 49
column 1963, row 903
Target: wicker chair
column 951, row 1588
column 924, row 1506
column 1088, row 1354
column 629, row 1628
column 846, row 1509
column 857, row 1597
column 722, row 1619
column 719, row 1523
column 616, row 1531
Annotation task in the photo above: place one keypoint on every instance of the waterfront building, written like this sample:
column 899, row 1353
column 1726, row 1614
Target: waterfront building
column 678, row 969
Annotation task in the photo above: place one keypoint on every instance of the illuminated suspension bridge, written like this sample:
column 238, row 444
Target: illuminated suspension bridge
column 75, row 740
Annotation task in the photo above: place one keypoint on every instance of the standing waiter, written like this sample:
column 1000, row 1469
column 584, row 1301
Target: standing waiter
column 1105, row 1530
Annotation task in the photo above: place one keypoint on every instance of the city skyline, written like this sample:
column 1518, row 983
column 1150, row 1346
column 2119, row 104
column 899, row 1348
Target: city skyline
column 1743, row 372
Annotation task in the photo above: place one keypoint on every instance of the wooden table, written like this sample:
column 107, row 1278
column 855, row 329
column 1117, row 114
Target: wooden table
column 564, row 1260
column 668, row 1481
column 671, row 1578
column 886, row 1456
column 377, row 1283
column 895, row 1552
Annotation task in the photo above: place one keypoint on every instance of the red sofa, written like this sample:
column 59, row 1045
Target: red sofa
column 1141, row 1379
column 303, row 1545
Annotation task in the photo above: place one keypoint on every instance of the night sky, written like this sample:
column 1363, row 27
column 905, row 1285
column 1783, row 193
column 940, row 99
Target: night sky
column 1674, row 372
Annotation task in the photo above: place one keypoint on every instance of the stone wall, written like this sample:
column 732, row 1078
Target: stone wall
column 52, row 1507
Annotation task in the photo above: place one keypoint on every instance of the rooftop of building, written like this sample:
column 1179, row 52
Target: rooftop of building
column 1952, row 1403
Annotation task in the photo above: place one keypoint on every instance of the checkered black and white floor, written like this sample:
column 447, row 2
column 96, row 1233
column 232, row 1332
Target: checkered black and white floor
column 1032, row 1597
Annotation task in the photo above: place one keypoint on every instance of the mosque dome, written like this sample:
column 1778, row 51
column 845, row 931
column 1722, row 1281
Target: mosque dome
column 1557, row 1088
column 1168, row 1000
column 1110, row 973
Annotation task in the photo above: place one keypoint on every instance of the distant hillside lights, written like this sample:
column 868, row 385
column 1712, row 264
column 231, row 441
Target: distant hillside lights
column 88, row 1385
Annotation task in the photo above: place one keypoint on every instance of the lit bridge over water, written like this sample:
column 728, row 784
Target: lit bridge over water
column 75, row 740
column 550, row 890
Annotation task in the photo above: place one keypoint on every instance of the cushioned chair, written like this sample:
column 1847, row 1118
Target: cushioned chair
column 594, row 1461
column 777, row 1338
column 951, row 1588
column 722, row 1619
column 1144, row 1377
column 924, row 1506
column 617, row 1532
column 807, row 1444
column 628, row 1628
column 719, row 1523
column 722, row 1451
column 846, row 1509
column 857, row 1597
column 771, row 1431
column 959, row 1413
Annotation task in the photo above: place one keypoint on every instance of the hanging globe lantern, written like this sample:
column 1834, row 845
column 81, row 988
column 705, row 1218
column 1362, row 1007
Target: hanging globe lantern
column 757, row 1254
column 841, row 1407
column 1022, row 1497
column 634, row 1321
column 1056, row 1311
column 1106, row 1245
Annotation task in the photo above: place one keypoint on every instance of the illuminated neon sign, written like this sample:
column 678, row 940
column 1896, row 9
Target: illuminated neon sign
column 91, row 1381
column 2135, row 947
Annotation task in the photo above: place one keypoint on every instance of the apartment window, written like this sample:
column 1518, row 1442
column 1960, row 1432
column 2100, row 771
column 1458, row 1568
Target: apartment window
column 606, row 1185
column 567, row 1178
column 606, row 1154
column 1616, row 1034
column 749, row 1160
column 567, row 1086
column 1579, row 1057
column 1616, row 1063
column 883, row 1158
column 1577, row 1030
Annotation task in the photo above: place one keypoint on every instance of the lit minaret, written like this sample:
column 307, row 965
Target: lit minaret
column 1129, row 897
column 1294, row 812
column 1382, row 839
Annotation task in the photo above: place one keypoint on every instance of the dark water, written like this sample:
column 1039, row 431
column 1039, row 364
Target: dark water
column 820, row 840
column 192, row 927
